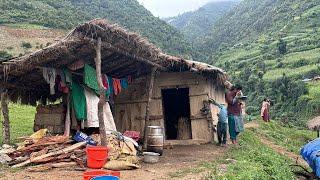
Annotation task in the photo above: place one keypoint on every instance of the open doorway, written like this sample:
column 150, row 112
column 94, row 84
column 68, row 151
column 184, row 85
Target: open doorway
column 176, row 109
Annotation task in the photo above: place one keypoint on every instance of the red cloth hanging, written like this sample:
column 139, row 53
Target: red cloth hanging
column 105, row 81
column 116, row 86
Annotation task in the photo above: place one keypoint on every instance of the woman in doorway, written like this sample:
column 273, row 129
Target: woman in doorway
column 265, row 110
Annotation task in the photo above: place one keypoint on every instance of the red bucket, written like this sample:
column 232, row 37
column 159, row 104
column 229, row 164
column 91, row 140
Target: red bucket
column 96, row 156
column 90, row 174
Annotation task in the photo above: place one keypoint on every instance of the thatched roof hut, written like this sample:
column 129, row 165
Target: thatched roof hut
column 123, row 53
column 314, row 124
column 177, row 101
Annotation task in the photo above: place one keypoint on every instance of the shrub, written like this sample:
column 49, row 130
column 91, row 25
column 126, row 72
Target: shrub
column 26, row 45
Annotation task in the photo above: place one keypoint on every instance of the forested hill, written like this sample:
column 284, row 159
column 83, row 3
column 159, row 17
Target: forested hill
column 65, row 14
column 252, row 18
column 196, row 24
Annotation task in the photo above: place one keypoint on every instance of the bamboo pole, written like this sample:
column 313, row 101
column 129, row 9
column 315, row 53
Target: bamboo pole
column 5, row 122
column 102, row 98
column 147, row 117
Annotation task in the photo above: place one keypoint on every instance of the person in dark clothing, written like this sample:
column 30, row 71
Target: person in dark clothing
column 235, row 121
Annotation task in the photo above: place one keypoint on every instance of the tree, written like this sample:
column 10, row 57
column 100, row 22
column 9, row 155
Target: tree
column 282, row 46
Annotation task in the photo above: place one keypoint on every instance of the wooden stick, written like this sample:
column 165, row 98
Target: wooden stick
column 102, row 98
column 67, row 124
column 62, row 151
column 150, row 90
column 6, row 122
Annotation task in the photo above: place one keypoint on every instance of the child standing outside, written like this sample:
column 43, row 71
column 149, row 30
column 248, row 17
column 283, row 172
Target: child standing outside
column 222, row 123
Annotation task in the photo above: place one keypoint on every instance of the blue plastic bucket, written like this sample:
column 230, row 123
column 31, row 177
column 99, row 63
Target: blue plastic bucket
column 105, row 178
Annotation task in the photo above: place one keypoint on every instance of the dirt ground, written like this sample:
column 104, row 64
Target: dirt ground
column 180, row 157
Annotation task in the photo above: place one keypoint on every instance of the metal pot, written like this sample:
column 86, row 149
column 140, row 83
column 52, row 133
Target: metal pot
column 150, row 157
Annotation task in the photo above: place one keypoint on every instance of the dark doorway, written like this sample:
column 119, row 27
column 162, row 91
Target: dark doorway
column 176, row 107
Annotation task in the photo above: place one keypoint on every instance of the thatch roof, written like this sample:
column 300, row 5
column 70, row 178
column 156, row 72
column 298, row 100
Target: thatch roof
column 123, row 53
column 314, row 124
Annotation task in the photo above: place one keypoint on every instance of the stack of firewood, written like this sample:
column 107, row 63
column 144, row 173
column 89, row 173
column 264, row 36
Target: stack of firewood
column 49, row 152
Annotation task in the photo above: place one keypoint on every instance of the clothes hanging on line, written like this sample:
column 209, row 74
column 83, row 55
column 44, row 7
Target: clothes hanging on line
column 92, row 101
column 67, row 75
column 79, row 101
column 124, row 83
column 90, row 78
column 116, row 86
column 49, row 75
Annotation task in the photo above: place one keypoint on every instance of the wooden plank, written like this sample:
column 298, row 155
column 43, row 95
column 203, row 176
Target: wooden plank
column 200, row 130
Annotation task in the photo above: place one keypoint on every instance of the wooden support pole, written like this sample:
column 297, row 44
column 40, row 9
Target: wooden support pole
column 67, row 124
column 102, row 98
column 147, row 117
column 5, row 122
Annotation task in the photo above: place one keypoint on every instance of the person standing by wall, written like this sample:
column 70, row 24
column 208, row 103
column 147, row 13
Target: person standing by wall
column 235, row 120
column 222, row 123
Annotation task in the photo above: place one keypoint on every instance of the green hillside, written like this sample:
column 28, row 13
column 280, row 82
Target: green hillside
column 65, row 14
column 270, row 47
column 273, row 18
column 197, row 24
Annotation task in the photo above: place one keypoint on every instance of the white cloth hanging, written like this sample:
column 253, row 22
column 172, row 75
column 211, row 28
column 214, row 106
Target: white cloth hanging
column 92, row 101
column 49, row 74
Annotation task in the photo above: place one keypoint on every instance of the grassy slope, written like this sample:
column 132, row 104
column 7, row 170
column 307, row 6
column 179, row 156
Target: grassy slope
column 21, row 121
column 65, row 14
column 254, row 160
column 13, row 35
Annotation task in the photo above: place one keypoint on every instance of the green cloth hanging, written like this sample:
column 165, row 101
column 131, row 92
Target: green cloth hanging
column 90, row 78
column 79, row 101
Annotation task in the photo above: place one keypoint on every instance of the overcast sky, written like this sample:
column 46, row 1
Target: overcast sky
column 169, row 8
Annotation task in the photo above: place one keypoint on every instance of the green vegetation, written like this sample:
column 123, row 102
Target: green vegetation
column 195, row 25
column 66, row 14
column 270, row 47
column 21, row 121
column 26, row 45
column 251, row 160
column 290, row 138
column 254, row 160
column 4, row 55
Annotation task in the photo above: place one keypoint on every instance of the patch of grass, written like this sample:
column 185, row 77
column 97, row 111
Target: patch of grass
column 254, row 160
column 290, row 138
column 251, row 160
column 290, row 72
column 25, row 26
column 21, row 121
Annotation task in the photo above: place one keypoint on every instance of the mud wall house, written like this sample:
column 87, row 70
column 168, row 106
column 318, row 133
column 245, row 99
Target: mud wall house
column 180, row 87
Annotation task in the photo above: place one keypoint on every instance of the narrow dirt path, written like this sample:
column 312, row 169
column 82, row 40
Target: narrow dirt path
column 294, row 157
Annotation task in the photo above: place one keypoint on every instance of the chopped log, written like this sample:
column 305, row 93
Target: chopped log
column 150, row 90
column 6, row 122
column 63, row 151
column 102, row 98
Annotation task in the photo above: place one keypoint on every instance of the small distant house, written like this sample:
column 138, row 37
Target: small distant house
column 180, row 90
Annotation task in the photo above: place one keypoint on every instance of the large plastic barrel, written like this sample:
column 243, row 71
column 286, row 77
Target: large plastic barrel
column 155, row 139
